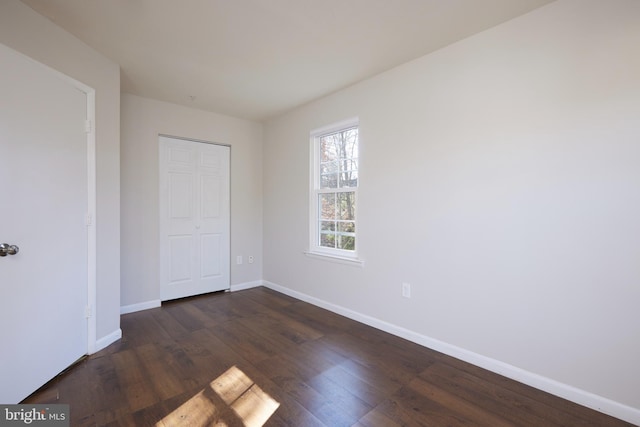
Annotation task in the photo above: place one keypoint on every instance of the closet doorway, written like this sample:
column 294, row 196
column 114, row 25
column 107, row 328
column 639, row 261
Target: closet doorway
column 194, row 217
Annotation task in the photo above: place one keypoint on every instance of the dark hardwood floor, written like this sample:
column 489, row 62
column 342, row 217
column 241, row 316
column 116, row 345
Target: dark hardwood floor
column 260, row 357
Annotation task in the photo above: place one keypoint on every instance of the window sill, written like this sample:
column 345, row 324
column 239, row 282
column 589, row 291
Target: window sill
column 355, row 262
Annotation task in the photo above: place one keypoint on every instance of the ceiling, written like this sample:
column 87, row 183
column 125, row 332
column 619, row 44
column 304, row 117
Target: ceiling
column 256, row 59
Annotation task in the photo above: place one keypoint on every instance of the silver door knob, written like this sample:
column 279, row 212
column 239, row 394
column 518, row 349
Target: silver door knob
column 7, row 249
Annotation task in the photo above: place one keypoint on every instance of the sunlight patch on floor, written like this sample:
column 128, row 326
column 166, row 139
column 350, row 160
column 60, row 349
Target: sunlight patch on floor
column 231, row 399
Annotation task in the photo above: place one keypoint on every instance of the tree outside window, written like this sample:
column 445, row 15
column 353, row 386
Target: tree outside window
column 335, row 188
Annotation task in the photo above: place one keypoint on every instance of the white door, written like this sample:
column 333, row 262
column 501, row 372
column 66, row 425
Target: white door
column 194, row 218
column 43, row 204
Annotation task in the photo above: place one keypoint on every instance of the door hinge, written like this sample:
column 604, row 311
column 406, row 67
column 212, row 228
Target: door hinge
column 87, row 126
column 88, row 220
column 88, row 312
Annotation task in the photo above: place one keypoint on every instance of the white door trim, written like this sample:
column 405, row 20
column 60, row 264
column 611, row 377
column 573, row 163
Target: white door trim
column 91, row 221
column 92, row 247
column 91, row 198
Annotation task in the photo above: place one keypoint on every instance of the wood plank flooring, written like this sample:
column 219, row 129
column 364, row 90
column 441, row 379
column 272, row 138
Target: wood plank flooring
column 258, row 357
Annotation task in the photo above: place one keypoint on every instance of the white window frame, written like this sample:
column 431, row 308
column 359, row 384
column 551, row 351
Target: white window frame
column 315, row 249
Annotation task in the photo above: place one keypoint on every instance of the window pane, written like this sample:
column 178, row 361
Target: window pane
column 347, row 243
column 329, row 181
column 328, row 240
column 349, row 165
column 347, row 206
column 327, row 226
column 339, row 155
column 327, row 204
column 347, row 227
column 328, row 149
column 348, row 179
column 329, row 167
column 350, row 142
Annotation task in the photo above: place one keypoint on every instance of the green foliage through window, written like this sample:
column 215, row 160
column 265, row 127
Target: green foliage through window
column 336, row 184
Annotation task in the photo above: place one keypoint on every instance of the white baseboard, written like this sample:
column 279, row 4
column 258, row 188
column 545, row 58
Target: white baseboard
column 107, row 340
column 246, row 285
column 576, row 395
column 125, row 309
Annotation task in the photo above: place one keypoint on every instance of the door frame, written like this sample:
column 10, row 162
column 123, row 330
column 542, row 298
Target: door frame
column 92, row 194
column 90, row 218
column 160, row 228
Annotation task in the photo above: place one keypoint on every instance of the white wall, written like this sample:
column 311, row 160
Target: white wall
column 35, row 36
column 142, row 121
column 500, row 178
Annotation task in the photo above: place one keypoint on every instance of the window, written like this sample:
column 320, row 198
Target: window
column 334, row 190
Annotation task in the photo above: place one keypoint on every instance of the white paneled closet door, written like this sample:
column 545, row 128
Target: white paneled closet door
column 194, row 218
